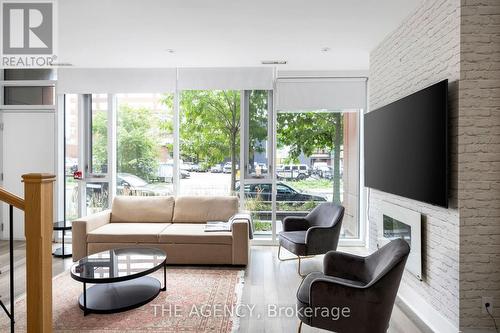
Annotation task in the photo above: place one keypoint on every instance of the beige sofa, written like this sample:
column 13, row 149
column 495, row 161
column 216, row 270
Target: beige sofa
column 175, row 225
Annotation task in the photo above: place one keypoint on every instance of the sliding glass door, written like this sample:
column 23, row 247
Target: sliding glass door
column 317, row 160
column 296, row 160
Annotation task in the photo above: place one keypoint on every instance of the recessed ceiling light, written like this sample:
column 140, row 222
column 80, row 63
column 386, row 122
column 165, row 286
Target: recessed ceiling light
column 325, row 49
column 171, row 51
column 273, row 62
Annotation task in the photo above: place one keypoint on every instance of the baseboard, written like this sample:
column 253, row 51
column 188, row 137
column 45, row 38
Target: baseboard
column 424, row 311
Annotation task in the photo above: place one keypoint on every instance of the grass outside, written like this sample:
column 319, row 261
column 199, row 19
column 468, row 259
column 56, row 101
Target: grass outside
column 312, row 184
column 261, row 226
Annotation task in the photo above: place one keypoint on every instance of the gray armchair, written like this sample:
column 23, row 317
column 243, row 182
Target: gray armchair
column 364, row 288
column 316, row 233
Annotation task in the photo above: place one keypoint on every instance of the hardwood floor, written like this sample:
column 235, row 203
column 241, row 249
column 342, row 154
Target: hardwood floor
column 58, row 266
column 268, row 283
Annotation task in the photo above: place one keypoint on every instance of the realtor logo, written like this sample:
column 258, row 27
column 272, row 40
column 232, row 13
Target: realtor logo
column 27, row 28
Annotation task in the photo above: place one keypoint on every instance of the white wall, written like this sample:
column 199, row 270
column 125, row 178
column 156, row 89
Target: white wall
column 28, row 146
column 423, row 50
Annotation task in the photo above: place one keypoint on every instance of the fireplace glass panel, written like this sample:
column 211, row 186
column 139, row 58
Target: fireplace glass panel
column 394, row 229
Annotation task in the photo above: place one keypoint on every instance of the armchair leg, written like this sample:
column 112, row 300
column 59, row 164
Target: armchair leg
column 298, row 258
column 299, row 329
column 298, row 269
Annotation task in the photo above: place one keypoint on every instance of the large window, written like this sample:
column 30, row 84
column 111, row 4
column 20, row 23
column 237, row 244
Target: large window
column 144, row 144
column 209, row 142
column 317, row 161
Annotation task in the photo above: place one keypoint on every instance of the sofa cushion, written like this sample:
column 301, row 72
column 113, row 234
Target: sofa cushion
column 142, row 209
column 200, row 209
column 193, row 233
column 127, row 233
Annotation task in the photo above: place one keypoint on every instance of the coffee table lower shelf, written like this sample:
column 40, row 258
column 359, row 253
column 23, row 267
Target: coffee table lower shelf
column 119, row 296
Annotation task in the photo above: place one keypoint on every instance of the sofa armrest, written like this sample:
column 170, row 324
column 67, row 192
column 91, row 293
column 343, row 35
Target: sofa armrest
column 240, row 231
column 82, row 226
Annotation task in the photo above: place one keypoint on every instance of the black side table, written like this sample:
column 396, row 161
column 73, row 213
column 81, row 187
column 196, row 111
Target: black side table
column 65, row 251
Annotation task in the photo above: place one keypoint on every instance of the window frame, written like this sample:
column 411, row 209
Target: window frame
column 85, row 104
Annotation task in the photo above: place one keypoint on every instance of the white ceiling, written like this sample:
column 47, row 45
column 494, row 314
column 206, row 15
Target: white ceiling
column 227, row 33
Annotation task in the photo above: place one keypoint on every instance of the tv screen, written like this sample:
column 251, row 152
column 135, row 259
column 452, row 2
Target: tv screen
column 406, row 146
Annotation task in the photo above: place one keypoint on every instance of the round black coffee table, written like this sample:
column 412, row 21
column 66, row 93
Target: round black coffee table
column 120, row 279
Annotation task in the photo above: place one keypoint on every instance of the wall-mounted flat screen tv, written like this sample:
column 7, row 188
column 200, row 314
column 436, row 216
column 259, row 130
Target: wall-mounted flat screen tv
column 406, row 146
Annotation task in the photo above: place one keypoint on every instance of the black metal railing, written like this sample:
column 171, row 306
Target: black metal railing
column 10, row 313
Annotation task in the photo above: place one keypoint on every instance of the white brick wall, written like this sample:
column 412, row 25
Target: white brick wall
column 479, row 160
column 424, row 50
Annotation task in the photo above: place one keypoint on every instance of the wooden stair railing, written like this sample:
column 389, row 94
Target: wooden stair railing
column 11, row 199
column 38, row 206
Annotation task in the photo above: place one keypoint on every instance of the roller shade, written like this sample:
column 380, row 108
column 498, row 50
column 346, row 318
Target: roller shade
column 116, row 80
column 304, row 94
column 258, row 78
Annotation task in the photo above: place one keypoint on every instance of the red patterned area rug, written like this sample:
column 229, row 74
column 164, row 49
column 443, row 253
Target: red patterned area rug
column 196, row 300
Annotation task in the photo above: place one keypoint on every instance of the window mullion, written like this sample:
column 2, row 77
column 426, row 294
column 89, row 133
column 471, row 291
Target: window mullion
column 176, row 143
column 112, row 146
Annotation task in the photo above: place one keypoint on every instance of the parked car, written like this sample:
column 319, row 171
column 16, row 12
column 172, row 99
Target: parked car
column 127, row 183
column 227, row 167
column 191, row 166
column 294, row 172
column 216, row 169
column 284, row 192
column 324, row 172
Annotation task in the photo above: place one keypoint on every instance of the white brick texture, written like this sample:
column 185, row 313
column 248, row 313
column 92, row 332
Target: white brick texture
column 479, row 160
column 458, row 40
column 423, row 50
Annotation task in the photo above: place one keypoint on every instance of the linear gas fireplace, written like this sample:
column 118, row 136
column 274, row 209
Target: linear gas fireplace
column 399, row 222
